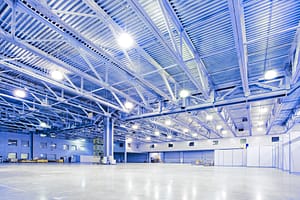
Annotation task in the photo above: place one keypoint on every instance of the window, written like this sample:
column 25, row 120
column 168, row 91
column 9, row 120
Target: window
column 243, row 141
column 43, row 145
column 121, row 145
column 170, row 145
column 24, row 143
column 53, row 146
column 74, row 148
column 191, row 144
column 152, row 146
column 215, row 142
column 129, row 145
column 82, row 148
column 275, row 139
column 24, row 156
column 65, row 147
column 12, row 155
column 12, row 142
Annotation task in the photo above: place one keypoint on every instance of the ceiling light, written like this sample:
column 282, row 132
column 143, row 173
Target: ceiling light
column 263, row 110
column 43, row 125
column 218, row 127
column 185, row 130
column 135, row 126
column 57, row 75
column 169, row 136
column 184, row 93
column 224, row 132
column 20, row 93
column 128, row 105
column 209, row 117
column 168, row 122
column 270, row 74
column 148, row 138
column 259, row 129
column 125, row 41
column 156, row 133
column 195, row 134
column 129, row 139
column 260, row 123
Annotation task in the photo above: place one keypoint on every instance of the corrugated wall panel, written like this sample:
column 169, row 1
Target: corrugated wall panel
column 172, row 157
column 137, row 157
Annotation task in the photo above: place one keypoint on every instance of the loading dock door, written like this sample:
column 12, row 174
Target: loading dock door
column 172, row 157
column 137, row 157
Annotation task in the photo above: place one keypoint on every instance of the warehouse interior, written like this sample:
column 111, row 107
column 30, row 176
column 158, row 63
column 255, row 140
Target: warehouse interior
column 150, row 99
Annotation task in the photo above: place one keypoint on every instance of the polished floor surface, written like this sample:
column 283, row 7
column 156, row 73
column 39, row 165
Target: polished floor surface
column 145, row 182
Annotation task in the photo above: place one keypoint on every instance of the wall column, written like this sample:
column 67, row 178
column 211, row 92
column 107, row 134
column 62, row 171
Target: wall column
column 125, row 151
column 109, row 139
column 31, row 145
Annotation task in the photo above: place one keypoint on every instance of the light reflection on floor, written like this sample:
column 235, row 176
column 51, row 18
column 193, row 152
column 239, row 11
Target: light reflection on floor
column 145, row 182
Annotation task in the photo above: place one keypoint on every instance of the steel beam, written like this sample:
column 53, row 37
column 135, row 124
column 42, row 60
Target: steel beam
column 205, row 82
column 249, row 118
column 221, row 103
column 61, row 85
column 227, row 119
column 295, row 58
column 204, row 125
column 239, row 32
column 58, row 62
column 143, row 15
column 115, row 28
column 66, row 31
column 169, row 128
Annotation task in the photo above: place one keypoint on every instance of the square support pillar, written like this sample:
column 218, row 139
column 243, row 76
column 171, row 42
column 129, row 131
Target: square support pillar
column 31, row 145
column 109, row 139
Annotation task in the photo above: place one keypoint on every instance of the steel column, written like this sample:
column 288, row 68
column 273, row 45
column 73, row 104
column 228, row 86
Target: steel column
column 31, row 145
column 109, row 138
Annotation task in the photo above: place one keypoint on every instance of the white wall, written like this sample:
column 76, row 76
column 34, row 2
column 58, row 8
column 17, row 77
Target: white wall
column 227, row 143
column 231, row 143
column 291, row 149
column 266, row 156
column 89, row 159
column 295, row 156
column 253, row 156
column 287, row 151
column 230, row 157
column 261, row 152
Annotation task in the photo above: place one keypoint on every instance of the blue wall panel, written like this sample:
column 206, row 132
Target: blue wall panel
column 82, row 147
column 119, row 147
column 172, row 157
column 119, row 157
column 137, row 157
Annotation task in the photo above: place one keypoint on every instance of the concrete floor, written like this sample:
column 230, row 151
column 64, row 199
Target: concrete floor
column 144, row 181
